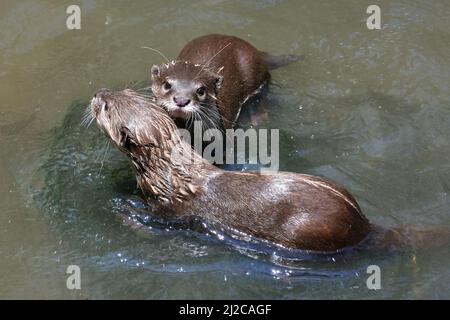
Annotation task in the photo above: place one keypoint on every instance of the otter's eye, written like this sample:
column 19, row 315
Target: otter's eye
column 167, row 86
column 201, row 91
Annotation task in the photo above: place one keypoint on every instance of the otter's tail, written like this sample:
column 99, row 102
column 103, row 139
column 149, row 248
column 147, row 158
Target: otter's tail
column 274, row 62
column 409, row 238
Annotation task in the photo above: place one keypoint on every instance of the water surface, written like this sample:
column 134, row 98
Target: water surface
column 369, row 109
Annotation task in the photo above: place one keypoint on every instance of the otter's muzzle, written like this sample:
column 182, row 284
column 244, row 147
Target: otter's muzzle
column 99, row 102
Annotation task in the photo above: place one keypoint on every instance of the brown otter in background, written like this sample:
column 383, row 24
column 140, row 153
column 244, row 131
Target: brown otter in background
column 292, row 210
column 212, row 77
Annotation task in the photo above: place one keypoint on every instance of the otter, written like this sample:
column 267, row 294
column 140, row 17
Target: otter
column 211, row 79
column 292, row 210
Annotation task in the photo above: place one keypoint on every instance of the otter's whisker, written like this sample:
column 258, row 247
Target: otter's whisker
column 90, row 122
column 133, row 85
column 87, row 118
column 143, row 89
column 213, row 97
column 210, row 111
column 212, row 124
column 211, row 108
column 105, row 154
column 157, row 51
column 214, row 106
column 209, row 61
column 100, row 155
column 87, row 111
column 190, row 120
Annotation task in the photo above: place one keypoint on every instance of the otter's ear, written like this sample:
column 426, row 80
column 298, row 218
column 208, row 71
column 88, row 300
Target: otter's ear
column 125, row 138
column 156, row 71
column 219, row 82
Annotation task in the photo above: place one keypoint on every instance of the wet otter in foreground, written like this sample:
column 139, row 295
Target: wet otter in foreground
column 295, row 211
column 211, row 79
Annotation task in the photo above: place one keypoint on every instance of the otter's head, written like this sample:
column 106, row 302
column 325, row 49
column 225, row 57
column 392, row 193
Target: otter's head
column 149, row 137
column 187, row 91
column 130, row 120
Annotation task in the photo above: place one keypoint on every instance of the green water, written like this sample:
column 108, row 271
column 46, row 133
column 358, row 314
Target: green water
column 369, row 109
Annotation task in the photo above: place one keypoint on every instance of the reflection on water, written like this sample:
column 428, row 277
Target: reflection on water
column 369, row 109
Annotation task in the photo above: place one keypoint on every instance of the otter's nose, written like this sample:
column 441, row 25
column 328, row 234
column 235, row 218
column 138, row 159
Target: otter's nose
column 181, row 101
column 100, row 93
column 98, row 102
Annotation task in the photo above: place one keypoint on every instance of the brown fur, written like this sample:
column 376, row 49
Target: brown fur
column 230, row 69
column 292, row 210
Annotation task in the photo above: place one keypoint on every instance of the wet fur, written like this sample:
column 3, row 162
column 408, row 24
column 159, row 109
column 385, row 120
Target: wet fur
column 291, row 210
column 244, row 69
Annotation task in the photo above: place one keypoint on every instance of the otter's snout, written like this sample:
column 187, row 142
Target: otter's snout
column 99, row 102
column 100, row 93
column 181, row 101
